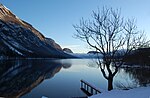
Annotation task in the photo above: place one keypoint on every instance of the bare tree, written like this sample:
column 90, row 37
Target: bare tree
column 110, row 35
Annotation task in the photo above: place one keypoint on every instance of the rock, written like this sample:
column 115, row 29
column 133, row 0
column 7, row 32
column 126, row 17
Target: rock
column 67, row 50
column 53, row 43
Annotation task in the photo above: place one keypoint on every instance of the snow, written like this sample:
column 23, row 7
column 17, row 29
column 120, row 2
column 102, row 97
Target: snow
column 2, row 6
column 13, row 49
column 141, row 92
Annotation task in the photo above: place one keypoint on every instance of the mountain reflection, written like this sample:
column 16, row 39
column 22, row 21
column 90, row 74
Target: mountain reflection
column 18, row 77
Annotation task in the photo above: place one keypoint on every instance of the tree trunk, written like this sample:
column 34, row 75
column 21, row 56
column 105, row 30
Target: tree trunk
column 110, row 83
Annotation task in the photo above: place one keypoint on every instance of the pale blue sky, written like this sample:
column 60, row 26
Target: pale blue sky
column 54, row 18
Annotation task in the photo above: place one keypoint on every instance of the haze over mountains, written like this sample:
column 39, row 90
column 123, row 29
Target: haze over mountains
column 20, row 39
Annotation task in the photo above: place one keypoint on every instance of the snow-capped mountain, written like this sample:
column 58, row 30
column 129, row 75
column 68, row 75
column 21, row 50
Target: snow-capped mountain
column 20, row 39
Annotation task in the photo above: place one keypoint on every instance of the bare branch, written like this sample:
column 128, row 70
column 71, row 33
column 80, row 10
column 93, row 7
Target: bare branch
column 112, row 36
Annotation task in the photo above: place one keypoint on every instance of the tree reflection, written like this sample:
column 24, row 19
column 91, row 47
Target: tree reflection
column 141, row 75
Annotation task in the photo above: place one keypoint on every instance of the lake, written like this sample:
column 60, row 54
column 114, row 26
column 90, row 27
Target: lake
column 60, row 78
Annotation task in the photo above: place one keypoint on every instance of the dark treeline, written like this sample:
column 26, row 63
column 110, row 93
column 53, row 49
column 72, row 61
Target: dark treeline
column 140, row 56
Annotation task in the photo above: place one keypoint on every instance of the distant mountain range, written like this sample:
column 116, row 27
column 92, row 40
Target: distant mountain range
column 20, row 39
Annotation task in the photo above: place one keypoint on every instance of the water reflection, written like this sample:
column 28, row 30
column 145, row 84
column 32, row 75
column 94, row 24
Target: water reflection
column 131, row 76
column 18, row 77
column 141, row 75
column 25, row 78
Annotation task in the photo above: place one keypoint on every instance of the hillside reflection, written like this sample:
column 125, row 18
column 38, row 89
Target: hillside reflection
column 18, row 77
column 141, row 75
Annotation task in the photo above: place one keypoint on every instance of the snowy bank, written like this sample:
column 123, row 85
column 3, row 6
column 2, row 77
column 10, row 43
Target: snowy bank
column 142, row 92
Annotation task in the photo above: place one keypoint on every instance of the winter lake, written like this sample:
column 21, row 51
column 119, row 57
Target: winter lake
column 60, row 78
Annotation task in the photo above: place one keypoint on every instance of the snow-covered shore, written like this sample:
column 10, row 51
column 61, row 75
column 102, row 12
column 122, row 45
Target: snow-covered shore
column 141, row 92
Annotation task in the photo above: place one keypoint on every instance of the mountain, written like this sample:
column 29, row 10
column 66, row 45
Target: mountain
column 67, row 50
column 92, row 52
column 20, row 39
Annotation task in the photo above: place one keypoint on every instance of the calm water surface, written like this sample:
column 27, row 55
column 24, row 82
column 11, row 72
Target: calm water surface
column 60, row 78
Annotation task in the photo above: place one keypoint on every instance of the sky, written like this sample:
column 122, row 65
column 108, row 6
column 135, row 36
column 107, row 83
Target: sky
column 55, row 18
